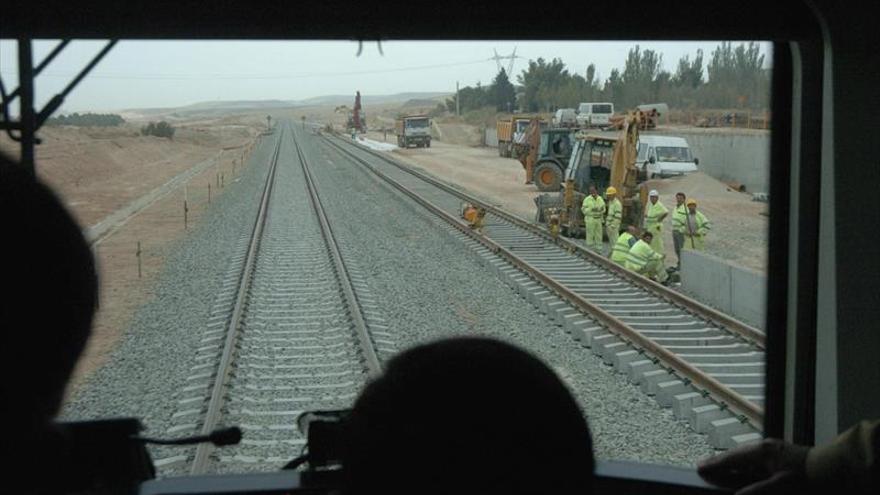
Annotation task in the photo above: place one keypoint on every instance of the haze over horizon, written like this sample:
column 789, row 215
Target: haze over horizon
column 169, row 74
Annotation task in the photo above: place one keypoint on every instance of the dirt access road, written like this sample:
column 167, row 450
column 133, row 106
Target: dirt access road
column 740, row 225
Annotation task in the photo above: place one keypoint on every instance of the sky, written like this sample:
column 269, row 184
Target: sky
column 149, row 74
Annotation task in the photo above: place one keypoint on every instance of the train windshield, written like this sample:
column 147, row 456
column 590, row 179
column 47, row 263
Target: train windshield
column 270, row 234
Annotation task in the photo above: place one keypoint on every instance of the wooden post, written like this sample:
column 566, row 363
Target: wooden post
column 734, row 119
column 209, row 192
column 749, row 122
column 222, row 180
column 185, row 209
column 138, row 254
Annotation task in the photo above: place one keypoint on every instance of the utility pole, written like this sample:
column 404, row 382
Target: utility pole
column 28, row 118
column 457, row 106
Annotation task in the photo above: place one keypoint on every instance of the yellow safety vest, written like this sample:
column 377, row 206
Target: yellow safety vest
column 615, row 211
column 679, row 219
column 653, row 212
column 640, row 255
column 593, row 208
column 621, row 249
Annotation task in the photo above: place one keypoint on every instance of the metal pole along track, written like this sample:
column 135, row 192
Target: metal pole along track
column 735, row 401
column 215, row 404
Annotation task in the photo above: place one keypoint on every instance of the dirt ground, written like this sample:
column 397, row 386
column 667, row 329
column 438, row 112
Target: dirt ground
column 739, row 231
column 97, row 171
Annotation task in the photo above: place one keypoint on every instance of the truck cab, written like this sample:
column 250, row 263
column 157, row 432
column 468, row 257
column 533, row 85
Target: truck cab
column 594, row 114
column 666, row 156
column 414, row 129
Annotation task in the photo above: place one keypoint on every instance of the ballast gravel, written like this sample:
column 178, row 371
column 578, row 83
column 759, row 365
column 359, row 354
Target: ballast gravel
column 147, row 369
column 427, row 284
column 432, row 286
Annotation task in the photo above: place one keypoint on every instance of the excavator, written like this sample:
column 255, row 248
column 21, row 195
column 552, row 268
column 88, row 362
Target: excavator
column 598, row 161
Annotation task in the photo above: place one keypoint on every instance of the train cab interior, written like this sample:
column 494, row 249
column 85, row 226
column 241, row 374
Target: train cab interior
column 822, row 370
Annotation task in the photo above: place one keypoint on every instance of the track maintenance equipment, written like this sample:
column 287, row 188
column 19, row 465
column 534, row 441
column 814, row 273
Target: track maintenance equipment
column 599, row 161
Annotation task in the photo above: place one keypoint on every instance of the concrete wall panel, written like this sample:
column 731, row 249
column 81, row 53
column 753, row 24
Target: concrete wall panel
column 737, row 291
column 741, row 156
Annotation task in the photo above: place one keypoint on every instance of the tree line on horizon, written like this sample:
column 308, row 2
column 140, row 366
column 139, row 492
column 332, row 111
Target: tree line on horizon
column 736, row 79
column 87, row 120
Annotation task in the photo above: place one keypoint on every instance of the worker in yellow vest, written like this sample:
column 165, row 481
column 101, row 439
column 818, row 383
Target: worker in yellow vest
column 625, row 241
column 655, row 213
column 679, row 217
column 593, row 209
column 645, row 261
column 696, row 227
column 613, row 216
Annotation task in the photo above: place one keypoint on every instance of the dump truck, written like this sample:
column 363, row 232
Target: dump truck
column 413, row 129
column 511, row 132
column 598, row 161
column 545, row 154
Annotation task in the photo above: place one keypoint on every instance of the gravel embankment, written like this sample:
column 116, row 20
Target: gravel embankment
column 432, row 286
column 147, row 369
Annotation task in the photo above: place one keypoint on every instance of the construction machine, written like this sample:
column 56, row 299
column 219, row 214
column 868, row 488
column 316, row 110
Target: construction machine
column 546, row 151
column 510, row 132
column 601, row 162
column 357, row 120
column 413, row 129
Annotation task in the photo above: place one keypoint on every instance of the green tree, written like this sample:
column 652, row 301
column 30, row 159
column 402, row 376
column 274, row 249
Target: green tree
column 689, row 73
column 502, row 93
column 540, row 82
column 737, row 77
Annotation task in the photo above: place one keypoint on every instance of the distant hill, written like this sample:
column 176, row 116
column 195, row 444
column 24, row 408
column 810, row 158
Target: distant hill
column 210, row 108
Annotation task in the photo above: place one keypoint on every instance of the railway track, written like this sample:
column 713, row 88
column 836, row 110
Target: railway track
column 287, row 334
column 706, row 366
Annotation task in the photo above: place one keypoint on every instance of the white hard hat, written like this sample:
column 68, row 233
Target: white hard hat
column 653, row 193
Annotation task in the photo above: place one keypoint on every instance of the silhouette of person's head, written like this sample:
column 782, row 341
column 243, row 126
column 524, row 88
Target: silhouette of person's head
column 49, row 301
column 467, row 415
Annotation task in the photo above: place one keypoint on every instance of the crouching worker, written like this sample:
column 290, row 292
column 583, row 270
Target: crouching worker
column 645, row 261
column 448, row 417
column 625, row 241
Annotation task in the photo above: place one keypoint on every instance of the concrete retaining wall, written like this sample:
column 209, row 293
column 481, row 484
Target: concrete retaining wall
column 737, row 291
column 491, row 138
column 743, row 157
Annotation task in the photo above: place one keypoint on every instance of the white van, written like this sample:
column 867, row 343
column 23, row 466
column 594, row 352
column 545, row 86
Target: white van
column 666, row 155
column 565, row 117
column 594, row 114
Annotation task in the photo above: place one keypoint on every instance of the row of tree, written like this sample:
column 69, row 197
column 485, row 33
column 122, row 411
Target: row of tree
column 87, row 120
column 736, row 79
column 158, row 129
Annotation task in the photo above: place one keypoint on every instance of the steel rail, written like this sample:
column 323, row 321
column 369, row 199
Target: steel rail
column 374, row 367
column 215, row 403
column 749, row 333
column 752, row 412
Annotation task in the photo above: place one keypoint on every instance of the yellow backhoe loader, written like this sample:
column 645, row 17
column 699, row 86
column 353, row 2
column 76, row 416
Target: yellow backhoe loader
column 598, row 161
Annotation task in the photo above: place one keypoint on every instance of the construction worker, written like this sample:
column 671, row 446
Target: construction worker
column 645, row 261
column 696, row 227
column 613, row 216
column 655, row 213
column 625, row 241
column 593, row 209
column 679, row 217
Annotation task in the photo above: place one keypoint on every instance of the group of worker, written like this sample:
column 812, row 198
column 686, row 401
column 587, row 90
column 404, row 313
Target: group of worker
column 645, row 253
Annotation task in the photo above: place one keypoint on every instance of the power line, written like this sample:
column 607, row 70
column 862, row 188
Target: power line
column 256, row 76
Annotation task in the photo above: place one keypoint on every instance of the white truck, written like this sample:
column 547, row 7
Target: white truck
column 664, row 156
column 594, row 114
